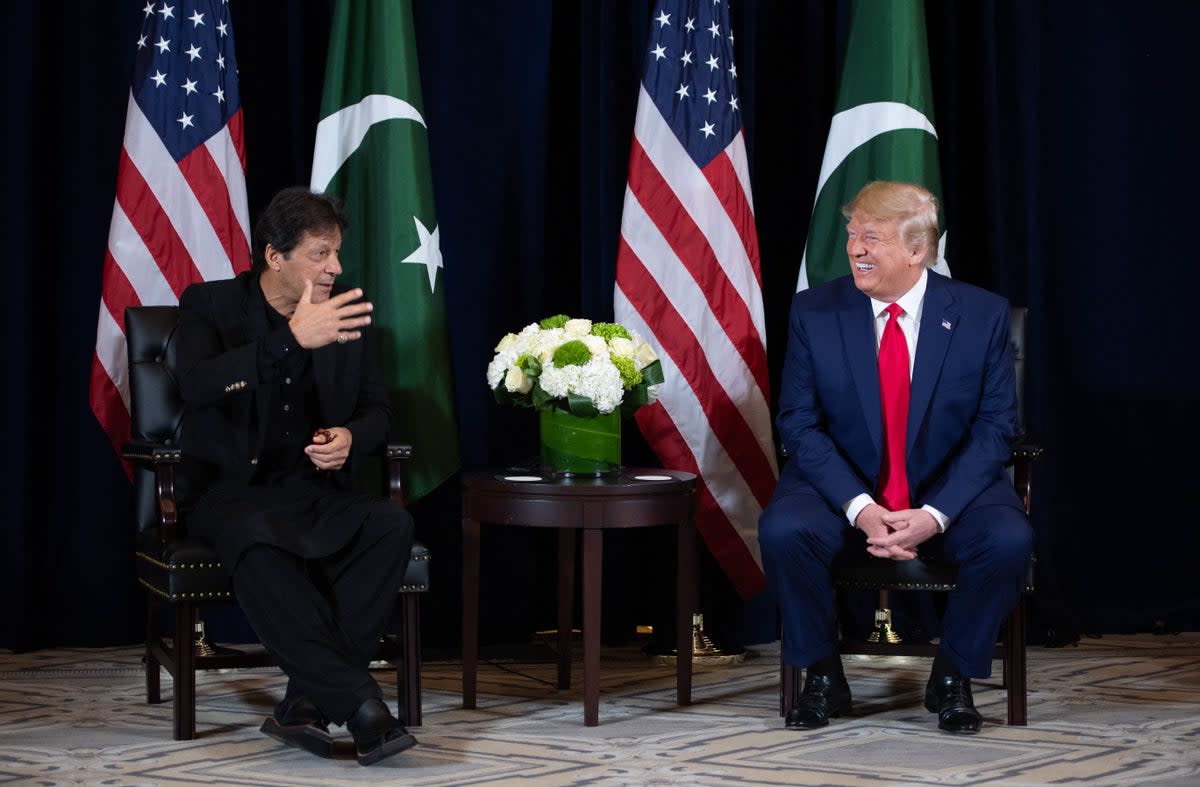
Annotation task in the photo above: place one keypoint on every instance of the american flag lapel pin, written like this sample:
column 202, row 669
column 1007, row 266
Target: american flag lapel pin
column 946, row 323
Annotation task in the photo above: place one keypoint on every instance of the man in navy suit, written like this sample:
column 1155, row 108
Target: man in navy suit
column 283, row 397
column 941, row 485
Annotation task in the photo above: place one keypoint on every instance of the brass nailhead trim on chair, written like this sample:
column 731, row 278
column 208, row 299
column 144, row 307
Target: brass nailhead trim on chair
column 177, row 566
column 223, row 595
column 896, row 586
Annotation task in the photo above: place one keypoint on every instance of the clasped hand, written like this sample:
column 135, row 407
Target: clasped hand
column 896, row 534
column 338, row 319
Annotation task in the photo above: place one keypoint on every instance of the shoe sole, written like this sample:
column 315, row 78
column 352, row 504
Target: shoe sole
column 834, row 714
column 932, row 708
column 301, row 736
column 386, row 749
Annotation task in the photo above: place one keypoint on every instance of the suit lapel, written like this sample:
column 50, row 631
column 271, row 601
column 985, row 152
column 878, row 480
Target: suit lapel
column 939, row 321
column 858, row 332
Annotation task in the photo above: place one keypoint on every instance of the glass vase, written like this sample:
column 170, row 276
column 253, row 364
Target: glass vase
column 575, row 446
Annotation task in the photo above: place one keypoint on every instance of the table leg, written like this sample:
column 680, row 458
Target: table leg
column 685, row 599
column 592, row 558
column 566, row 603
column 470, row 601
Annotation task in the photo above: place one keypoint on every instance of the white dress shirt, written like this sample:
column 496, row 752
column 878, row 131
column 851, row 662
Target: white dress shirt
column 909, row 323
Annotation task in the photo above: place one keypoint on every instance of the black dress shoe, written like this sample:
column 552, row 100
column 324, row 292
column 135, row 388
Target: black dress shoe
column 950, row 698
column 823, row 698
column 377, row 733
column 301, row 724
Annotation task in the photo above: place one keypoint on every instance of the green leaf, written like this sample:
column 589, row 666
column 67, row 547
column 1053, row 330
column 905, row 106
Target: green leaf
column 653, row 374
column 581, row 406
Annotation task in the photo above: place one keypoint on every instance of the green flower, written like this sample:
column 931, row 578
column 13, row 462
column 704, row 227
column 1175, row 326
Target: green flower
column 607, row 330
column 630, row 376
column 572, row 353
column 529, row 364
column 557, row 321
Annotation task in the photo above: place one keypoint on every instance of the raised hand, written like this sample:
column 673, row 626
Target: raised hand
column 338, row 319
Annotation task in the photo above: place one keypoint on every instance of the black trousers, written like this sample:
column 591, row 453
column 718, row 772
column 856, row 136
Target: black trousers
column 321, row 617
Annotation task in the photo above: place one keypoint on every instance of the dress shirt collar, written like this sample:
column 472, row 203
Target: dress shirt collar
column 910, row 301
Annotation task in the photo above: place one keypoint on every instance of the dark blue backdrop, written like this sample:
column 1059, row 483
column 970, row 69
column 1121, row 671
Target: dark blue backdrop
column 1070, row 168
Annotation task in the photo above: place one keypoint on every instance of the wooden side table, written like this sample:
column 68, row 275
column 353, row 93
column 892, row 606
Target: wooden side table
column 637, row 497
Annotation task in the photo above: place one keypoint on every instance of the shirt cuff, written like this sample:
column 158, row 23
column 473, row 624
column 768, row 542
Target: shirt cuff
column 943, row 521
column 856, row 505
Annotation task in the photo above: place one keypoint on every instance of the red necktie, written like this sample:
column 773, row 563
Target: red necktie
column 893, row 394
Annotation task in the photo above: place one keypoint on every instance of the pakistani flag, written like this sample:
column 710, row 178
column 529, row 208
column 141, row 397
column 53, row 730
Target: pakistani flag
column 372, row 151
column 882, row 127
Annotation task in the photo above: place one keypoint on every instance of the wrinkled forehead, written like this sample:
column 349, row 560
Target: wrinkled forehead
column 860, row 222
column 320, row 237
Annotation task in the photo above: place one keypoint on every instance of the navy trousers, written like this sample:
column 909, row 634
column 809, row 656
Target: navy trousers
column 800, row 534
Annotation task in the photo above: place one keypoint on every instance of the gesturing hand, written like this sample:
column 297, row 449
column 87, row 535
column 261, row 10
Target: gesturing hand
column 337, row 319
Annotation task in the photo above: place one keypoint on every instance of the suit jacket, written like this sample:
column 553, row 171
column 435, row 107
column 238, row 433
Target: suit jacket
column 962, row 416
column 226, row 350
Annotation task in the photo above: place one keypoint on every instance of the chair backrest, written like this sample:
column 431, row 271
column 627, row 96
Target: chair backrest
column 1017, row 337
column 155, row 404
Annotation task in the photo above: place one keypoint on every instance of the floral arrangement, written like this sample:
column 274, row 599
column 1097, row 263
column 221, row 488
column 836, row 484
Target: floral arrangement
column 581, row 367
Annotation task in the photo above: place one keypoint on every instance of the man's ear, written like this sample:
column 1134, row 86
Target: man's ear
column 918, row 256
column 274, row 257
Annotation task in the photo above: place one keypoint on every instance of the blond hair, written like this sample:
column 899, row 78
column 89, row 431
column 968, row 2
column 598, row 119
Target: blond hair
column 916, row 209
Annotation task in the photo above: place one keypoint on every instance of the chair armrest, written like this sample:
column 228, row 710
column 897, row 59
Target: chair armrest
column 160, row 459
column 1024, row 452
column 395, row 453
column 150, row 453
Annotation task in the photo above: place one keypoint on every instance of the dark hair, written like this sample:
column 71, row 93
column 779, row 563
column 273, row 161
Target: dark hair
column 290, row 213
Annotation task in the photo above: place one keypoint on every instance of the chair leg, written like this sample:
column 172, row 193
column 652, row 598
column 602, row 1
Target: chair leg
column 408, row 673
column 789, row 686
column 1014, row 665
column 184, row 648
column 153, row 668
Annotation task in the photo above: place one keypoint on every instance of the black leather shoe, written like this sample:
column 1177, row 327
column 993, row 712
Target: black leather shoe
column 823, row 698
column 950, row 698
column 377, row 733
column 301, row 724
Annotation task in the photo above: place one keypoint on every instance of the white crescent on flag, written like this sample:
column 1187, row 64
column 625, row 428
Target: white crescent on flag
column 340, row 134
column 856, row 126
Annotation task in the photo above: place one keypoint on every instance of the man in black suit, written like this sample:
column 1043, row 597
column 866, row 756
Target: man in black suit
column 283, row 397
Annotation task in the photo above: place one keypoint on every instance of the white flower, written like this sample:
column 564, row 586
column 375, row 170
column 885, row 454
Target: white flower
column 516, row 381
column 597, row 380
column 644, row 356
column 594, row 343
column 507, row 342
column 496, row 370
column 619, row 345
column 577, row 328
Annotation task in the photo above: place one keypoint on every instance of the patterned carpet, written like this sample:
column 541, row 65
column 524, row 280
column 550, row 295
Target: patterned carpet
column 1112, row 711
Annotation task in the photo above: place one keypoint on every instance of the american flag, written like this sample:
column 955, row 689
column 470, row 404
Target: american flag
column 180, row 213
column 688, row 280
